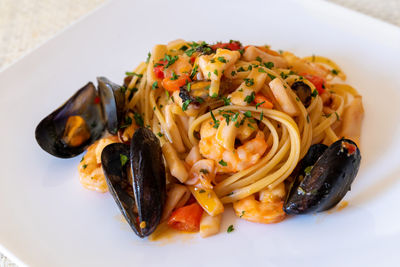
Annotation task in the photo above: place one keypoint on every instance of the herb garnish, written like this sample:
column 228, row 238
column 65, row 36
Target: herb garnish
column 250, row 98
column 223, row 163
column 124, row 159
column 230, row 229
column 133, row 74
column 221, row 59
column 186, row 104
column 138, row 119
column 154, row 86
column 269, row 65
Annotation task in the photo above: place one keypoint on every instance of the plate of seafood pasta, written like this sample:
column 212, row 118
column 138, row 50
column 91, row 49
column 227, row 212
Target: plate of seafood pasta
column 254, row 133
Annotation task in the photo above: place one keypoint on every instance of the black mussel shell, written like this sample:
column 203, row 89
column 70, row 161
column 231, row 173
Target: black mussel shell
column 137, row 185
column 303, row 91
column 148, row 178
column 326, row 183
column 112, row 97
column 50, row 130
column 313, row 153
column 116, row 167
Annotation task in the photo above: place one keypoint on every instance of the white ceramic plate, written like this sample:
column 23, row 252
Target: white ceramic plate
column 48, row 219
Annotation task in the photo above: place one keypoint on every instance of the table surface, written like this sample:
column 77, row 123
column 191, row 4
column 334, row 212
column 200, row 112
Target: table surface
column 26, row 24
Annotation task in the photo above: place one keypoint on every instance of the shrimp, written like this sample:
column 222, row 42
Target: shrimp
column 227, row 158
column 267, row 209
column 202, row 174
column 90, row 171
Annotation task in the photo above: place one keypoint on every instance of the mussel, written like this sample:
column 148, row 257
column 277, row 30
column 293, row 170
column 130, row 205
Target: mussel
column 325, row 176
column 303, row 91
column 80, row 121
column 135, row 175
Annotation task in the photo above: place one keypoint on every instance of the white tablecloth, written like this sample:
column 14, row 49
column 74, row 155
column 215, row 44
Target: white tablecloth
column 25, row 24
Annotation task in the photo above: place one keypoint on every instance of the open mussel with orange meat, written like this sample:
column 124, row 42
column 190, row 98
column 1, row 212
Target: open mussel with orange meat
column 134, row 172
column 82, row 120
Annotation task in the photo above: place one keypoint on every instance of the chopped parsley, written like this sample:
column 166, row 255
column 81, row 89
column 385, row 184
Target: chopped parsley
column 170, row 60
column 138, row 119
column 262, row 115
column 160, row 134
column 247, row 114
column 335, row 72
column 202, row 191
column 199, row 99
column 261, row 70
column 259, row 104
column 82, row 158
column 133, row 74
column 250, row 98
column 155, row 85
column 186, row 104
column 216, row 123
column 308, row 170
column 269, row 65
column 216, row 72
column 188, row 86
column 84, row 166
column 230, row 229
column 127, row 122
column 221, row 59
column 214, row 95
column 226, row 100
column 223, row 163
column 227, row 118
column 148, row 57
column 241, row 215
column 314, row 93
column 271, row 76
column 174, row 76
column 183, row 48
column 124, row 159
column 337, row 116
column 235, row 117
column 233, row 73
column 258, row 59
column 194, row 71
column 241, row 69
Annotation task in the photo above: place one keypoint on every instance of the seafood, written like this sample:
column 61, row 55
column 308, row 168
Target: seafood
column 303, row 91
column 326, row 180
column 237, row 159
column 135, row 176
column 71, row 128
column 90, row 170
column 267, row 209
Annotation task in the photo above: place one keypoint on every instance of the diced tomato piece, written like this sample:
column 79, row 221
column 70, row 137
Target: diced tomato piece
column 97, row 100
column 186, row 218
column 231, row 46
column 192, row 59
column 260, row 98
column 318, row 82
column 174, row 85
column 350, row 148
column 159, row 69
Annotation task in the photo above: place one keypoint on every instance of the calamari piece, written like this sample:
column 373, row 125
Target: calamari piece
column 252, row 53
column 214, row 66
